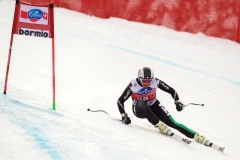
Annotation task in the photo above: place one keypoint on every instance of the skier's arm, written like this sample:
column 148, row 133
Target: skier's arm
column 125, row 95
column 163, row 86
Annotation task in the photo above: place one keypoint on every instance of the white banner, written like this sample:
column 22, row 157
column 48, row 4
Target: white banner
column 33, row 32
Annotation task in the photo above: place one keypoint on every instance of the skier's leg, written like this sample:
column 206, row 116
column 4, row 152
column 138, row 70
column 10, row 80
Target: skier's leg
column 164, row 116
column 141, row 110
column 188, row 132
column 180, row 127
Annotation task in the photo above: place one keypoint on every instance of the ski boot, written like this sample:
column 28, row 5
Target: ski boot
column 164, row 128
column 201, row 139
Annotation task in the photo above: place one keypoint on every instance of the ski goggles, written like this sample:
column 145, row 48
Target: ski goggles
column 146, row 80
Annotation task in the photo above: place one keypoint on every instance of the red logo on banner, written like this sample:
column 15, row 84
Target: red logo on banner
column 24, row 14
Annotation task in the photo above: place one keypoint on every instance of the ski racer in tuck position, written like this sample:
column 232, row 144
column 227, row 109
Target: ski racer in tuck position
column 146, row 105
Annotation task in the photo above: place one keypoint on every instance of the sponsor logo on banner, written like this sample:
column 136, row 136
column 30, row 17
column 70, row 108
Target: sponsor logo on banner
column 33, row 14
column 33, row 32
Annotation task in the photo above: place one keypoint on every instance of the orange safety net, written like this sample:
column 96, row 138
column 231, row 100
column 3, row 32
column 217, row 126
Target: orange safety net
column 217, row 18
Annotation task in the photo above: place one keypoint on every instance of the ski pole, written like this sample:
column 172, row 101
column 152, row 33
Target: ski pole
column 97, row 111
column 194, row 104
column 104, row 112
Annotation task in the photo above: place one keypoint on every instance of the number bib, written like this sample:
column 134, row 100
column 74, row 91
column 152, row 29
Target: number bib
column 146, row 94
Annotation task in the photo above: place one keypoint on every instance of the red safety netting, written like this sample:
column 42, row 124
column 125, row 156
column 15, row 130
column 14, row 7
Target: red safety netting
column 217, row 18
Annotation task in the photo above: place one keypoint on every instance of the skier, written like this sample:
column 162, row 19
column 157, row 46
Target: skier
column 146, row 105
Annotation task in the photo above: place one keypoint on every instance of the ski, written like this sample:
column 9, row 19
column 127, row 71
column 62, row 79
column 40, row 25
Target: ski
column 216, row 147
column 187, row 142
column 180, row 139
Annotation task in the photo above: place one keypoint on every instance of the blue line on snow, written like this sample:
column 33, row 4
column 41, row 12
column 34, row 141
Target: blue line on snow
column 30, row 129
column 154, row 58
column 34, row 132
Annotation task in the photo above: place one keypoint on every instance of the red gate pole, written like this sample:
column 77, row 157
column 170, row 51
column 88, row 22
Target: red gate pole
column 8, row 64
column 11, row 43
column 53, row 56
column 53, row 73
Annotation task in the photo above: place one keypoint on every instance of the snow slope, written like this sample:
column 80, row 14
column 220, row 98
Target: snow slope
column 95, row 61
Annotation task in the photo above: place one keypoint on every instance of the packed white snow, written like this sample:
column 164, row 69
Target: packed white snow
column 95, row 60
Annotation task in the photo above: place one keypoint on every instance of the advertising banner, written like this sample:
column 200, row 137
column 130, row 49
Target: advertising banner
column 33, row 20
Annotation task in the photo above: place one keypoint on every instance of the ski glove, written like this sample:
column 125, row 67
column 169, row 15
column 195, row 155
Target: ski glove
column 179, row 105
column 125, row 119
